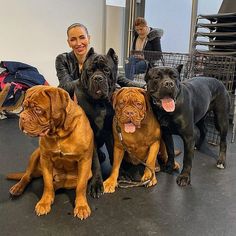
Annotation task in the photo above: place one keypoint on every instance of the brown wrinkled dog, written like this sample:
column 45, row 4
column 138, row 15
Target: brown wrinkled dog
column 137, row 132
column 65, row 150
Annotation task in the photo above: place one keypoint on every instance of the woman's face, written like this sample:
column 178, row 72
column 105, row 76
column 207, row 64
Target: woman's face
column 141, row 30
column 78, row 40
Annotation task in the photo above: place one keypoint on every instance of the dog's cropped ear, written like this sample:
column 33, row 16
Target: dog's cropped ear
column 146, row 73
column 179, row 68
column 113, row 55
column 149, row 66
column 90, row 52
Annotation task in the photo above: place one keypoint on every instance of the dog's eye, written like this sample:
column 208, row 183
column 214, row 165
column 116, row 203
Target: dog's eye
column 139, row 105
column 174, row 76
column 121, row 104
column 106, row 70
column 38, row 110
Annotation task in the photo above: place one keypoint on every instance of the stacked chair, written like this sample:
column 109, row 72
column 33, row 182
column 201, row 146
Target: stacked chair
column 215, row 40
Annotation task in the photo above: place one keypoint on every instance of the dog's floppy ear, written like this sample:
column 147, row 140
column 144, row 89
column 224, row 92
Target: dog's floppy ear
column 113, row 55
column 145, row 94
column 179, row 68
column 59, row 100
column 114, row 96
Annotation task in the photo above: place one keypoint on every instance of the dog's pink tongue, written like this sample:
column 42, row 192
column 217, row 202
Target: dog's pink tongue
column 130, row 128
column 168, row 104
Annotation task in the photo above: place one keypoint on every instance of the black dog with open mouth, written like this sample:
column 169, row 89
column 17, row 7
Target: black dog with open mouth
column 180, row 106
column 93, row 93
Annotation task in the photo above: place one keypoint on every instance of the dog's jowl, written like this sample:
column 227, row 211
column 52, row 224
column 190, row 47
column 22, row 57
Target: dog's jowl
column 181, row 106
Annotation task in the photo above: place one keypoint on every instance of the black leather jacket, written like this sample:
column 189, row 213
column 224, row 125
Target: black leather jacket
column 68, row 73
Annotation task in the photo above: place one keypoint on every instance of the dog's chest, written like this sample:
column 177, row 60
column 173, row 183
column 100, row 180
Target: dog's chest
column 60, row 149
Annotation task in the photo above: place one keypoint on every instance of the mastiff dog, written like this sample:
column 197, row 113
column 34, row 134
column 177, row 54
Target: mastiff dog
column 182, row 106
column 65, row 152
column 93, row 93
column 137, row 136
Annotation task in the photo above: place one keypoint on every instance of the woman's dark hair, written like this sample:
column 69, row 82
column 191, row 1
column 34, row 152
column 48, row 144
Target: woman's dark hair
column 77, row 25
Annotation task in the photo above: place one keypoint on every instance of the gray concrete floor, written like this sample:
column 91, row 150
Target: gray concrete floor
column 207, row 207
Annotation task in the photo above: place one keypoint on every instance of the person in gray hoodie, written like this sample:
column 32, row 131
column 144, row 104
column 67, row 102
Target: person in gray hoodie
column 145, row 39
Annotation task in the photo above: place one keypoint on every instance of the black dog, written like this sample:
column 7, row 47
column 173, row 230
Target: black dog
column 93, row 93
column 182, row 105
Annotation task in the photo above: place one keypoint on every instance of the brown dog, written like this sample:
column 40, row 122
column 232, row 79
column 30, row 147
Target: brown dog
column 65, row 150
column 137, row 132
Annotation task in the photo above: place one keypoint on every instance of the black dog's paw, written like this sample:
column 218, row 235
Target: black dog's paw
column 169, row 167
column 183, row 179
column 95, row 187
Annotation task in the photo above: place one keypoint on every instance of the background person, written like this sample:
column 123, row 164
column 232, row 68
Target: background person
column 145, row 38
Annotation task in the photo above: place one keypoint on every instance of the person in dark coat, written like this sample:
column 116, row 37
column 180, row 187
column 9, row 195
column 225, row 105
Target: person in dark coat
column 145, row 39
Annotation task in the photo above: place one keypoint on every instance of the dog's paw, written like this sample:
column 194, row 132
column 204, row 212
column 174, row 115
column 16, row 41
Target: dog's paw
column 152, row 181
column 220, row 164
column 95, row 187
column 183, row 179
column 42, row 208
column 169, row 168
column 82, row 211
column 17, row 189
column 109, row 186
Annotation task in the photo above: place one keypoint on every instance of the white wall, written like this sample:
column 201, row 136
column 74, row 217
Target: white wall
column 115, row 17
column 174, row 17
column 34, row 31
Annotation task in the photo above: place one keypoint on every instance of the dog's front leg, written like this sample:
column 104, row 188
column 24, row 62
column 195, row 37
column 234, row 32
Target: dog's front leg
column 149, row 172
column 43, row 207
column 169, row 143
column 111, row 183
column 184, row 178
column 82, row 209
column 95, row 186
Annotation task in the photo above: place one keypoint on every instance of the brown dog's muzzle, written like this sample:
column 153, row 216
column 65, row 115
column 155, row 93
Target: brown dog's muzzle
column 32, row 125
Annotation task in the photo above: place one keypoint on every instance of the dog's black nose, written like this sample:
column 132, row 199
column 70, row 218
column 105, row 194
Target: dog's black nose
column 98, row 78
column 169, row 84
column 129, row 113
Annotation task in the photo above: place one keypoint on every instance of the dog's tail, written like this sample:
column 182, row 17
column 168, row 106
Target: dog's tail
column 15, row 176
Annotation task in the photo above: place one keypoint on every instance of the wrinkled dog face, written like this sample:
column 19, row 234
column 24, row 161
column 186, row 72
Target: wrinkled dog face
column 99, row 74
column 34, row 119
column 130, row 107
column 41, row 115
column 163, row 86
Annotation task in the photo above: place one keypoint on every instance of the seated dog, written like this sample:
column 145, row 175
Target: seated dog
column 137, row 133
column 182, row 105
column 64, row 156
column 93, row 93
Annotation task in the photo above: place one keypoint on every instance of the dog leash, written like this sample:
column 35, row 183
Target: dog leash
column 130, row 183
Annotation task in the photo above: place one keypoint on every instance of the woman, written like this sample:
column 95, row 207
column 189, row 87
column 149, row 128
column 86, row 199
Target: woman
column 69, row 64
column 145, row 39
